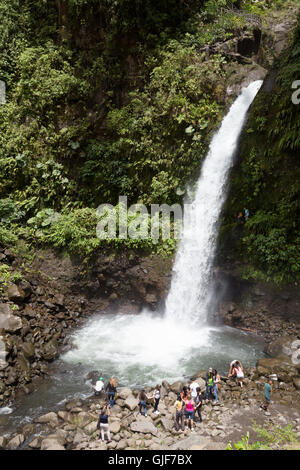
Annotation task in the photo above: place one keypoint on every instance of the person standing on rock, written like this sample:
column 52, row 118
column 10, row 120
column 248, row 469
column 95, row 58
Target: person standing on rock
column 267, row 394
column 209, row 383
column 179, row 413
column 190, row 412
column 156, row 396
column 111, row 389
column 217, row 384
column 103, row 423
column 193, row 388
column 198, row 403
column 143, row 402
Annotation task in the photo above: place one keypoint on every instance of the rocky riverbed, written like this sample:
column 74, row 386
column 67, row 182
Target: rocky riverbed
column 74, row 427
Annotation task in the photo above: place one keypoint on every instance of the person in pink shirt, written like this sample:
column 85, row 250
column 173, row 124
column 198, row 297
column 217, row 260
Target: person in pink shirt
column 190, row 411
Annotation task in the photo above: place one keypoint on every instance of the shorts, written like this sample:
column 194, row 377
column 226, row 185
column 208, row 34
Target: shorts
column 267, row 399
column 240, row 376
column 189, row 414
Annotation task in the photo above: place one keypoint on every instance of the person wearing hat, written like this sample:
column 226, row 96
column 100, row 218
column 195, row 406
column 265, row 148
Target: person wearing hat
column 99, row 386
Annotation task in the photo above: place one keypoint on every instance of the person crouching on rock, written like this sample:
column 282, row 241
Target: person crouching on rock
column 99, row 386
column 143, row 402
column 103, row 423
column 111, row 389
column 179, row 413
column 190, row 412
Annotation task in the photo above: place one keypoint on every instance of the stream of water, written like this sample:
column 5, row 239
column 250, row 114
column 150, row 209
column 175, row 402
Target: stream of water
column 150, row 347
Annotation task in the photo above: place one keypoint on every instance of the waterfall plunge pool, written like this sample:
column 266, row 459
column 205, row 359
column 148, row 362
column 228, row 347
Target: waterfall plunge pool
column 140, row 350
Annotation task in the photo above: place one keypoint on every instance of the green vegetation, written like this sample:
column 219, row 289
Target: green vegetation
column 267, row 181
column 271, row 437
column 110, row 98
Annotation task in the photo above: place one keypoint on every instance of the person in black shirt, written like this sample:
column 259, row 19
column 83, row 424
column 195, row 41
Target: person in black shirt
column 103, row 423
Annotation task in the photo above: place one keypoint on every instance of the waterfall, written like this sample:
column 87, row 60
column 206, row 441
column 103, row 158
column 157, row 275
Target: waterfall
column 148, row 348
column 190, row 290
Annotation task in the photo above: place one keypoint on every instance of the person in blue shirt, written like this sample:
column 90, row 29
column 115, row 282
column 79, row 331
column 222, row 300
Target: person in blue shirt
column 267, row 394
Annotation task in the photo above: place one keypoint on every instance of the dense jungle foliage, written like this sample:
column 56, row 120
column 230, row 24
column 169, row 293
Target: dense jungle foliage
column 107, row 98
column 267, row 180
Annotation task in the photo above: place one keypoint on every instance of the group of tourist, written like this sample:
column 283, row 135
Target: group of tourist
column 188, row 404
column 243, row 218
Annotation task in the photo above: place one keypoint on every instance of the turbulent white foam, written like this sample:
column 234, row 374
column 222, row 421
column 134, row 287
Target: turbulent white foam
column 6, row 410
column 145, row 348
column 190, row 294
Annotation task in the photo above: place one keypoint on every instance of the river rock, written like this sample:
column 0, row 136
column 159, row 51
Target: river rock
column 144, row 426
column 28, row 350
column 8, row 321
column 115, row 427
column 131, row 402
column 53, row 442
column 50, row 351
column 91, row 427
column 49, row 418
column 124, row 393
column 15, row 442
column 296, row 382
column 176, row 387
column 3, row 442
column 15, row 293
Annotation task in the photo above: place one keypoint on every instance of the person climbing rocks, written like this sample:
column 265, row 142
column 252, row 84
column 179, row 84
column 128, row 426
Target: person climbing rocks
column 99, row 386
column 217, row 385
column 246, row 214
column 143, row 402
column 190, row 411
column 103, row 423
column 111, row 389
column 267, row 394
column 231, row 372
column 156, row 396
column 193, row 388
column 209, row 382
column 179, row 413
column 198, row 403
column 238, row 372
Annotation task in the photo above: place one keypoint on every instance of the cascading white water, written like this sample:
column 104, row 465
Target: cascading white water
column 148, row 348
column 190, row 288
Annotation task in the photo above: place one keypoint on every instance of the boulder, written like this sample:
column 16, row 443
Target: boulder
column 124, row 393
column 52, row 442
column 49, row 418
column 115, row 427
column 15, row 442
column 8, row 321
column 144, row 426
column 50, row 351
column 131, row 402
column 176, row 387
column 15, row 293
column 28, row 350
column 296, row 382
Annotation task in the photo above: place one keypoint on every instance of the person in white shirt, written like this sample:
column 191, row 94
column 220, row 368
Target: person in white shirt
column 99, row 386
column 193, row 387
